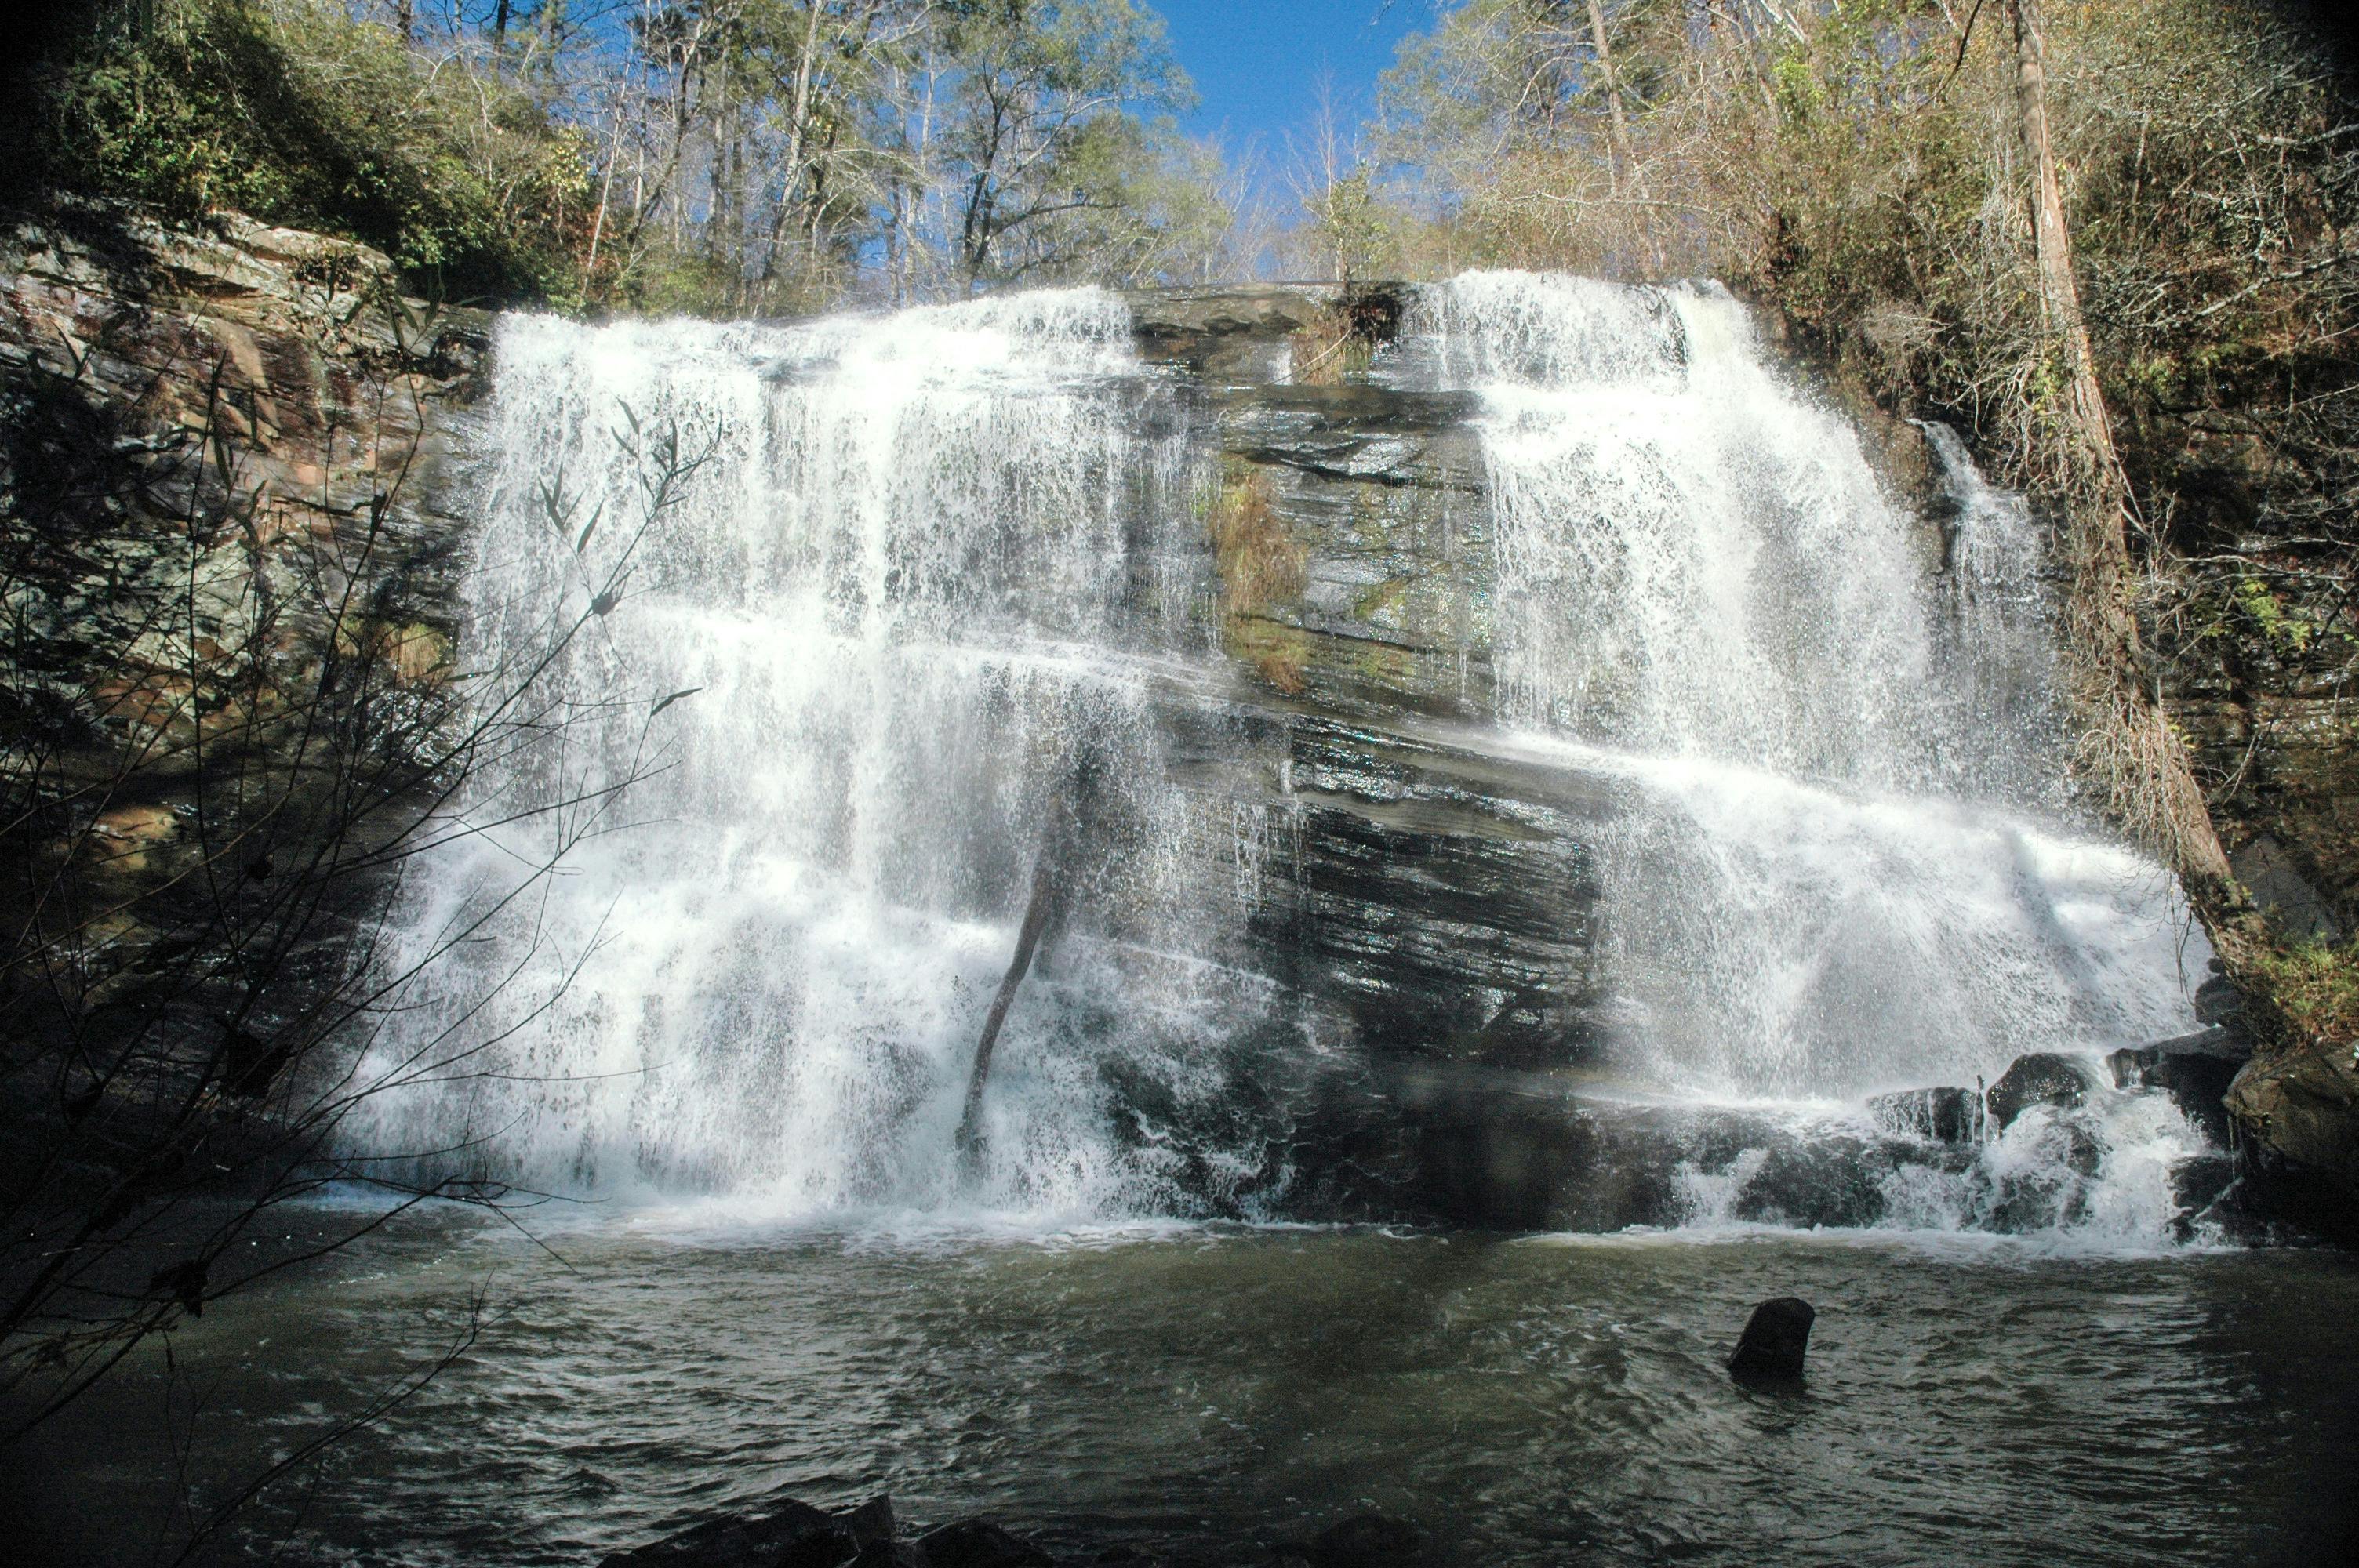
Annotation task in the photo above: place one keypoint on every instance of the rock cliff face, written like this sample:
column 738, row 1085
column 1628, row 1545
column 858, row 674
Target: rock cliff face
column 1436, row 893
column 1449, row 898
column 211, row 437
column 220, row 459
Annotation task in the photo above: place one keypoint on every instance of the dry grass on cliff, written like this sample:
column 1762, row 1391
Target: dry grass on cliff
column 1326, row 348
column 1260, row 567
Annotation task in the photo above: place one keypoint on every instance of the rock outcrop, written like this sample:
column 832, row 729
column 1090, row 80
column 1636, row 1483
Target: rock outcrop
column 218, row 445
column 224, row 615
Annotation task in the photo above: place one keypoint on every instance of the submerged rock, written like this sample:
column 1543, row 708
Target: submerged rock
column 2040, row 1078
column 1776, row 1338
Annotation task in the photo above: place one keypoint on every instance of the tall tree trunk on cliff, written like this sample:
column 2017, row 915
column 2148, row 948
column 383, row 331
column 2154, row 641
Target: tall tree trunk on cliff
column 2128, row 738
column 1619, row 150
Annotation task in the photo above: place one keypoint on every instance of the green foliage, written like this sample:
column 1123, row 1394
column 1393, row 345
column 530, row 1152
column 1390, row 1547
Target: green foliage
column 715, row 156
column 2308, row 991
column 2287, row 634
column 297, row 113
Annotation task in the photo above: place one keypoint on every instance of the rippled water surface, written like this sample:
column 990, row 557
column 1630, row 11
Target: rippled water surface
column 1525, row 1399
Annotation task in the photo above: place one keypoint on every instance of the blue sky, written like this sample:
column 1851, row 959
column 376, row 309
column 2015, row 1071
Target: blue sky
column 1256, row 63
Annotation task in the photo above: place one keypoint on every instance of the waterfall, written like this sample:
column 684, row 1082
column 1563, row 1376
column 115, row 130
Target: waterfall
column 912, row 585
column 1846, row 869
column 927, row 599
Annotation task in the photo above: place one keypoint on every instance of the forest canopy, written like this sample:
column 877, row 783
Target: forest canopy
column 720, row 156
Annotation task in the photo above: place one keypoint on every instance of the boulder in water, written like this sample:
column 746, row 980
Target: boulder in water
column 2040, row 1078
column 1776, row 1338
column 978, row 1543
column 1943, row 1115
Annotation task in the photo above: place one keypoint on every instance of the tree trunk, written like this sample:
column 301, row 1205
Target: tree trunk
column 1620, row 128
column 1027, row 940
column 2155, row 794
column 2060, row 294
column 799, row 120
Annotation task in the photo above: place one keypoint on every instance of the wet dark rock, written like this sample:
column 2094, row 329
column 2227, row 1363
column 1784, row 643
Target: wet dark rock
column 872, row 1521
column 765, row 1537
column 2274, row 1200
column 2044, row 1198
column 1774, row 1341
column 2040, row 1078
column 1943, row 1115
column 1461, row 1145
column 834, row 1547
column 2299, row 1110
column 893, row 1554
column 2194, row 1070
column 2217, row 1000
column 1814, row 1182
column 978, row 1543
column 2085, row 1152
column 2197, row 1186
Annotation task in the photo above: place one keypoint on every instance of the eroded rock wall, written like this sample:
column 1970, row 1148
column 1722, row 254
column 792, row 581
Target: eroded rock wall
column 222, row 477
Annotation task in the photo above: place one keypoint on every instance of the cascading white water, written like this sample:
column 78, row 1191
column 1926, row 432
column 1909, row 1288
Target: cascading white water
column 920, row 578
column 1843, row 872
column 2005, row 716
column 1691, row 560
column 903, row 584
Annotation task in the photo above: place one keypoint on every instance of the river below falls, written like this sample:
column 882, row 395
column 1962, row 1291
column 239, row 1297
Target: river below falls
column 1525, row 1399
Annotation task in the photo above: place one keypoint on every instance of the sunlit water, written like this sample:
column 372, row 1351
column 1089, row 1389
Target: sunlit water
column 1530, row 1400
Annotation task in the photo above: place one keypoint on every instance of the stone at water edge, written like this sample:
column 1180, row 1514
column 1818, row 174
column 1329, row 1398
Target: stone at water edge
column 771, row 1535
column 2040, row 1078
column 2194, row 1070
column 1776, row 1338
column 872, row 1521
